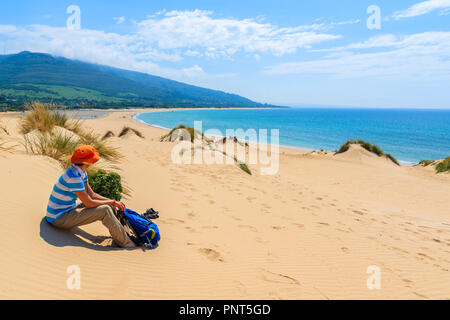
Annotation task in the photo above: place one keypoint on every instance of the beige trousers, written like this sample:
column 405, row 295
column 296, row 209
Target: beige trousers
column 81, row 216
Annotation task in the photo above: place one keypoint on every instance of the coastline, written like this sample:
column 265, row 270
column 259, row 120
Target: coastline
column 138, row 111
column 300, row 148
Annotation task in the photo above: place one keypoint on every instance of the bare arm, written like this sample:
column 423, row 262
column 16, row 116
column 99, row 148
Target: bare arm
column 92, row 194
column 89, row 202
column 92, row 200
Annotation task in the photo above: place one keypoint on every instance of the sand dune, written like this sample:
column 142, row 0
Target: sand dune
column 310, row 231
column 356, row 153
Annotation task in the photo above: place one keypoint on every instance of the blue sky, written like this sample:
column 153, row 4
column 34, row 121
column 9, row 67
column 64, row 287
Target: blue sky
column 282, row 52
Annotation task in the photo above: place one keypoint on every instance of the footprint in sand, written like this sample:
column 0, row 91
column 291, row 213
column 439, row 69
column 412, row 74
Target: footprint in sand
column 211, row 254
column 174, row 221
column 191, row 214
column 190, row 229
column 240, row 287
column 251, row 228
column 210, row 227
column 420, row 295
column 425, row 256
column 260, row 240
column 270, row 276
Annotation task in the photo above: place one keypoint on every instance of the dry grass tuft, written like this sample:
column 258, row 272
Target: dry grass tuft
column 44, row 119
column 126, row 130
column 107, row 135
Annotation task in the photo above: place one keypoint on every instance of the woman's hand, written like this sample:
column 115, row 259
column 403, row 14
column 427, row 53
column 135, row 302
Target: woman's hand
column 120, row 205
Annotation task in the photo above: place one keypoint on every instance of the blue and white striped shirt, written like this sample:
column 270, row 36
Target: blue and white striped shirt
column 63, row 197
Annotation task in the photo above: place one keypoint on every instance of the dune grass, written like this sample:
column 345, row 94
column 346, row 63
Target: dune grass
column 233, row 139
column 3, row 130
column 57, row 146
column 426, row 163
column 193, row 134
column 392, row 158
column 2, row 145
column 125, row 130
column 107, row 135
column 443, row 166
column 245, row 168
column 199, row 135
column 369, row 147
column 42, row 117
column 107, row 152
column 45, row 118
column 366, row 145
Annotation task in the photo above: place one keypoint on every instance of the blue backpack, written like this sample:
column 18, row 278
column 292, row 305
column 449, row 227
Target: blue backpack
column 144, row 232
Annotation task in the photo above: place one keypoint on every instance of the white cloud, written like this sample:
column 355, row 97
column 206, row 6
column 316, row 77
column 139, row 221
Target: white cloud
column 354, row 21
column 119, row 20
column 418, row 56
column 390, row 40
column 219, row 37
column 191, row 53
column 422, row 8
column 194, row 72
column 5, row 29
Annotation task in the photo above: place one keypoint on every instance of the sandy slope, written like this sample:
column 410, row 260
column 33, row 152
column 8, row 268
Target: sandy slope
column 310, row 231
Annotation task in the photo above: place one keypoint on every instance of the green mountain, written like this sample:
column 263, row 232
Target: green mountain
column 27, row 76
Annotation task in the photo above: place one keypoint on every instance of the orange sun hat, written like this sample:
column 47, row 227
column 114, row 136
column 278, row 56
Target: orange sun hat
column 84, row 155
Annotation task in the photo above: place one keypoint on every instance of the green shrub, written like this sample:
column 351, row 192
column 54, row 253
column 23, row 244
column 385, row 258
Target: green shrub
column 443, row 166
column 107, row 184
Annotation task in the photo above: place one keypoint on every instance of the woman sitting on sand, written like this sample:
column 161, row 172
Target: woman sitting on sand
column 62, row 211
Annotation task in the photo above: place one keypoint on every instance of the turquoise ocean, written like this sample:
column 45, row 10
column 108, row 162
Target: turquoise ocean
column 410, row 135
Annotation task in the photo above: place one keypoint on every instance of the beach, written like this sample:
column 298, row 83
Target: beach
column 313, row 230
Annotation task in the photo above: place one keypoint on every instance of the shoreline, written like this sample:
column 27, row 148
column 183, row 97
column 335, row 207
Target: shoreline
column 138, row 111
column 292, row 147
